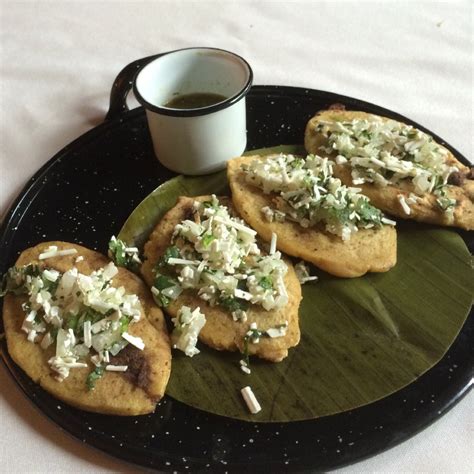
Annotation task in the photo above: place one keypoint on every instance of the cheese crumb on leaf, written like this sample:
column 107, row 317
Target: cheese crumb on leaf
column 188, row 325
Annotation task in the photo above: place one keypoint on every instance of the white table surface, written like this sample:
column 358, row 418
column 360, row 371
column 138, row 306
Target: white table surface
column 58, row 61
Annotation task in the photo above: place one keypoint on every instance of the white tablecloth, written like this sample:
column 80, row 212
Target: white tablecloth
column 58, row 61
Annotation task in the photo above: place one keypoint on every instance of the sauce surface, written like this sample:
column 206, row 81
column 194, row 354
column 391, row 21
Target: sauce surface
column 196, row 100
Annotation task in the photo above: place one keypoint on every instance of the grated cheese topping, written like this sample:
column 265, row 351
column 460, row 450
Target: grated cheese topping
column 387, row 152
column 84, row 316
column 217, row 254
column 310, row 195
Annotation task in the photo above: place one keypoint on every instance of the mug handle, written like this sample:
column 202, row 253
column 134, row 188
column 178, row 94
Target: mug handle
column 123, row 84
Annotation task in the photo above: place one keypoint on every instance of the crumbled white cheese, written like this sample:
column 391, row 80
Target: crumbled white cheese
column 405, row 207
column 116, row 368
column 218, row 256
column 236, row 225
column 52, row 251
column 239, row 315
column 188, row 325
column 64, row 304
column 279, row 331
column 51, row 275
column 268, row 213
column 385, row 220
column 310, row 195
column 251, row 400
column 273, row 244
column 412, row 198
column 245, row 295
column 386, row 152
column 182, row 261
column 302, row 273
column 134, row 340
column 62, row 365
column 87, row 334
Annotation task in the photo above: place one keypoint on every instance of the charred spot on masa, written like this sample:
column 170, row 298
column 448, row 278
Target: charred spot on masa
column 456, row 178
column 470, row 174
column 188, row 213
column 138, row 371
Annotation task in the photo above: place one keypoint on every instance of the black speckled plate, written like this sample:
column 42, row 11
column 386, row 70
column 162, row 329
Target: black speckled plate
column 85, row 193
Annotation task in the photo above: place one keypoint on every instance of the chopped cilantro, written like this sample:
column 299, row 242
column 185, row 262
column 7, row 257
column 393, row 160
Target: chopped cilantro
column 210, row 204
column 446, row 203
column 124, row 323
column 367, row 212
column 170, row 252
column 438, row 185
column 88, row 314
column 162, row 282
column 161, row 300
column 233, row 304
column 211, row 271
column 207, row 239
column 121, row 257
column 333, row 214
column 252, row 335
column 266, row 283
column 93, row 376
column 49, row 285
column 93, row 316
column 71, row 321
column 13, row 281
column 297, row 163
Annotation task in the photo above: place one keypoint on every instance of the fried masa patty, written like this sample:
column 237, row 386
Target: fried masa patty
column 368, row 250
column 221, row 332
column 133, row 392
column 386, row 198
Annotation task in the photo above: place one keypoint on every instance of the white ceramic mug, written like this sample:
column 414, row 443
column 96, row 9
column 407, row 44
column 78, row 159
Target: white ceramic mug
column 199, row 140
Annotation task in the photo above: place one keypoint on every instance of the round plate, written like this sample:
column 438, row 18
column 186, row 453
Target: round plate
column 85, row 193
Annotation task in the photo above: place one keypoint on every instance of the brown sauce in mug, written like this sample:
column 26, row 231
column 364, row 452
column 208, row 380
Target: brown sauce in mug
column 196, row 100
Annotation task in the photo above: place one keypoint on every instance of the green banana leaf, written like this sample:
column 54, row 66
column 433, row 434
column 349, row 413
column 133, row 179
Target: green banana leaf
column 362, row 339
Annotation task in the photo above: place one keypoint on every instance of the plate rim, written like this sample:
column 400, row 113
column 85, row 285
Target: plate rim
column 32, row 184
